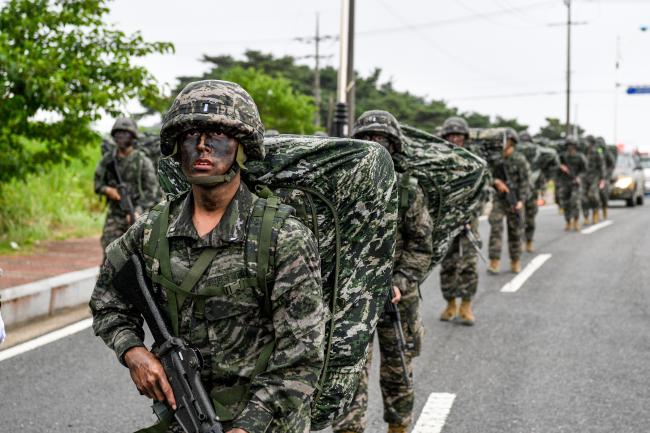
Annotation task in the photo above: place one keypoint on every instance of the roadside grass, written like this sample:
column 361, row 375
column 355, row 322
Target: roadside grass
column 58, row 203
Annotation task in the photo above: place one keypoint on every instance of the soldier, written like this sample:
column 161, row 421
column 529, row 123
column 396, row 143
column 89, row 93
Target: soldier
column 609, row 154
column 573, row 166
column 511, row 176
column 263, row 360
column 138, row 180
column 414, row 250
column 459, row 268
column 530, row 150
column 594, row 181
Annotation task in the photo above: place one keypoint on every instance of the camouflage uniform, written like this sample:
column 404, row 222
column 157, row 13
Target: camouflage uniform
column 413, row 252
column 138, row 173
column 232, row 328
column 531, row 208
column 594, row 174
column 609, row 155
column 570, row 187
column 519, row 174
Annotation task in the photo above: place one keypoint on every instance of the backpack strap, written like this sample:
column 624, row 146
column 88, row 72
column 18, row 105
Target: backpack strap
column 407, row 184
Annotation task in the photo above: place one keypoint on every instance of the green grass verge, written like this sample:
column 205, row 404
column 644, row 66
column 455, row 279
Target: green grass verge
column 58, row 203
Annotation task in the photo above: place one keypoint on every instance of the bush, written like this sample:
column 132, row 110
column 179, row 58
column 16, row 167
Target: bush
column 54, row 204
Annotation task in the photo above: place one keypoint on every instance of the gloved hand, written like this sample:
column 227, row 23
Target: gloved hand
column 2, row 330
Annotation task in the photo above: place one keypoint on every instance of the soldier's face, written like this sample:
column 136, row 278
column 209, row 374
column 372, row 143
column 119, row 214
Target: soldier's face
column 123, row 139
column 457, row 139
column 207, row 153
column 380, row 139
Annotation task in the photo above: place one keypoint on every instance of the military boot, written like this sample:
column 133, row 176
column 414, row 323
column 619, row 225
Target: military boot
column 495, row 266
column 604, row 213
column 466, row 314
column 529, row 247
column 576, row 224
column 568, row 226
column 450, row 312
column 586, row 223
column 515, row 266
column 393, row 428
column 595, row 218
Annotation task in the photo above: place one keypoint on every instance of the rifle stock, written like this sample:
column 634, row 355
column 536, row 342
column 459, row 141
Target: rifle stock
column 392, row 310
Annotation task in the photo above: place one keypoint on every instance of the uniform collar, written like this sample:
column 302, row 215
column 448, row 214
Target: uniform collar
column 231, row 228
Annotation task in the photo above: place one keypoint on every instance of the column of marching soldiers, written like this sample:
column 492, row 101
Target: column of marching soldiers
column 281, row 357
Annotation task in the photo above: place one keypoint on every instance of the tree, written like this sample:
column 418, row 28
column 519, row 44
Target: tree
column 61, row 67
column 280, row 107
column 555, row 129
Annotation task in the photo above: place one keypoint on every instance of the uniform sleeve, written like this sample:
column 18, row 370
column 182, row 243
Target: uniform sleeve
column 602, row 172
column 524, row 179
column 115, row 320
column 299, row 318
column 100, row 175
column 417, row 252
column 150, row 186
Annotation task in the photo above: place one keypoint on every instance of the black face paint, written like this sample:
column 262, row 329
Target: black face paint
column 123, row 139
column 206, row 152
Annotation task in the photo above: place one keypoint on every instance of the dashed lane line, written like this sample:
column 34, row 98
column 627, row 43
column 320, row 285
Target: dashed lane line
column 591, row 229
column 518, row 281
column 434, row 414
column 45, row 339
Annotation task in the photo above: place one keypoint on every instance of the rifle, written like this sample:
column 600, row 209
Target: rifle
column 126, row 203
column 511, row 195
column 392, row 310
column 574, row 179
column 182, row 364
column 474, row 242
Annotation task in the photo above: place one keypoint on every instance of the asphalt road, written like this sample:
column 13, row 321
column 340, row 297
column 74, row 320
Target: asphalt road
column 568, row 352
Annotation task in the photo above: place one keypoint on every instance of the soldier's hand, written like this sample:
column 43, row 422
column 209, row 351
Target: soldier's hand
column 564, row 168
column 601, row 184
column 501, row 186
column 149, row 376
column 112, row 193
column 397, row 295
column 519, row 205
column 237, row 430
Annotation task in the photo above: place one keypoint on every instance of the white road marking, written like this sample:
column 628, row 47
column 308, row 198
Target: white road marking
column 46, row 339
column 483, row 218
column 597, row 227
column 434, row 414
column 518, row 281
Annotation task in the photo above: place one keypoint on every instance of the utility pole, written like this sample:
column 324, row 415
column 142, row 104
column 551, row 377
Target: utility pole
column 351, row 85
column 568, row 68
column 617, row 85
column 316, row 40
column 340, row 125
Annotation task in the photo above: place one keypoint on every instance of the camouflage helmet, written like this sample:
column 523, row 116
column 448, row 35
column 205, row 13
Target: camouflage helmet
column 379, row 122
column 590, row 139
column 600, row 142
column 511, row 133
column 125, row 124
column 525, row 136
column 455, row 125
column 571, row 141
column 214, row 103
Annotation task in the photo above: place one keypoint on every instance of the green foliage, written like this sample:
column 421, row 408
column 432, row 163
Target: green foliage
column 554, row 129
column 58, row 203
column 280, row 107
column 59, row 59
column 371, row 93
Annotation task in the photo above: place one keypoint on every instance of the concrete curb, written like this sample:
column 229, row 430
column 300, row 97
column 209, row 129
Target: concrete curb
column 45, row 297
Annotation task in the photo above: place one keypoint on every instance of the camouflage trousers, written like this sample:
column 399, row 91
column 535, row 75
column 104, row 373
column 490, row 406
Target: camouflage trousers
column 398, row 397
column 501, row 210
column 114, row 227
column 530, row 211
column 591, row 197
column 604, row 194
column 570, row 198
column 459, row 268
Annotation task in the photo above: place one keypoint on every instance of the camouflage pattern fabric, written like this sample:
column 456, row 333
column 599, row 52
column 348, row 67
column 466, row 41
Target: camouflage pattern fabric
column 138, row 173
column 531, row 208
column 609, row 154
column 518, row 171
column 358, row 180
column 231, row 327
column 459, row 268
column 570, row 186
column 596, row 171
column 412, row 257
column 452, row 178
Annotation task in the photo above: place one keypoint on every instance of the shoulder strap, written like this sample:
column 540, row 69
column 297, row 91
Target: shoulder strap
column 407, row 184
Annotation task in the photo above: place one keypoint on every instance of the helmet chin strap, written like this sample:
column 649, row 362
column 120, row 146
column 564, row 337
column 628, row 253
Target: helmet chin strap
column 215, row 180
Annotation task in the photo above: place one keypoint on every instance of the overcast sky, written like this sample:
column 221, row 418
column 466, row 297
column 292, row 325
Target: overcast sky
column 498, row 57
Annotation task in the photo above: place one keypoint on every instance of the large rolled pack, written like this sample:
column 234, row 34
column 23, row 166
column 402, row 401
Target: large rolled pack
column 344, row 190
column 453, row 179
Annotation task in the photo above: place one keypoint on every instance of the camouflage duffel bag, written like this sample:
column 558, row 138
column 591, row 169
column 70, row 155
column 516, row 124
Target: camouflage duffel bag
column 344, row 191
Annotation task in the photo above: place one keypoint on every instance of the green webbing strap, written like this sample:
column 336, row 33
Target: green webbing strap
column 238, row 393
column 264, row 248
column 404, row 192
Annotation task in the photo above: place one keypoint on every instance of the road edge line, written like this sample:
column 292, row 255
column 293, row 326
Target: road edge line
column 518, row 281
column 45, row 339
column 592, row 229
column 434, row 413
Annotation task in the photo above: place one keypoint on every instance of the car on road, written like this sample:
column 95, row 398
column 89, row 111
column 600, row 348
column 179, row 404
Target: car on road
column 645, row 163
column 628, row 181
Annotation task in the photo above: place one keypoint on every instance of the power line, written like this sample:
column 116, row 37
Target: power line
column 527, row 94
